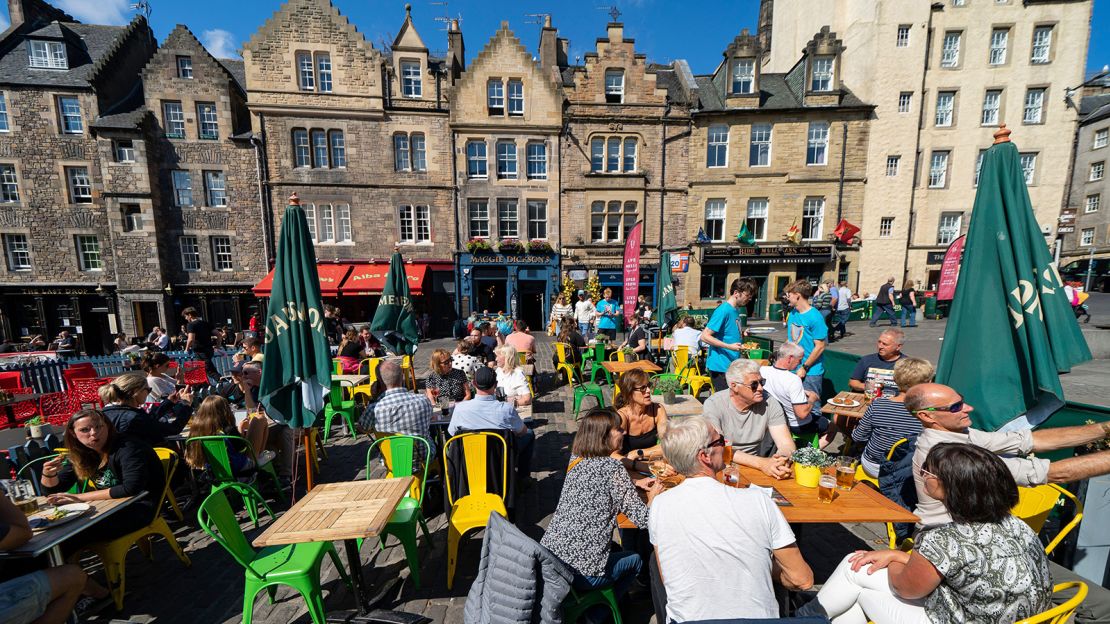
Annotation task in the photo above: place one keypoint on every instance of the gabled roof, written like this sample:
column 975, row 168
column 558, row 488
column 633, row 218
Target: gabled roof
column 122, row 121
column 774, row 94
column 1094, row 108
column 88, row 47
column 53, row 30
column 407, row 37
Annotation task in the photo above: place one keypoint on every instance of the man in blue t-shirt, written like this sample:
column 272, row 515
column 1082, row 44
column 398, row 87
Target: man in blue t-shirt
column 725, row 329
column 608, row 311
column 806, row 328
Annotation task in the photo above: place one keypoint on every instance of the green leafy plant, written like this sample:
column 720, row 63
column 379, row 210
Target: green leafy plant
column 35, row 420
column 510, row 245
column 478, row 245
column 809, row 456
column 669, row 384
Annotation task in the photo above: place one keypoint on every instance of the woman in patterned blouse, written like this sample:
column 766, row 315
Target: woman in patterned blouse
column 445, row 382
column 984, row 567
column 597, row 488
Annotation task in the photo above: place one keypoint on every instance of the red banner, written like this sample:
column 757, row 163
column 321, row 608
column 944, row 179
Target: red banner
column 632, row 269
column 950, row 270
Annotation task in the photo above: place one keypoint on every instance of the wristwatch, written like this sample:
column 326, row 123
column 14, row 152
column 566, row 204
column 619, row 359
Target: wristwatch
column 640, row 452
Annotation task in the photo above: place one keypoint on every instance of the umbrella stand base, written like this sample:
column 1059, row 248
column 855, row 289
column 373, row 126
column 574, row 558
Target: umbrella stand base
column 377, row 616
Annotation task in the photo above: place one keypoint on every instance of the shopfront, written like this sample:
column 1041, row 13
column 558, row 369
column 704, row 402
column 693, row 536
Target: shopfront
column 230, row 306
column 772, row 268
column 519, row 285
column 89, row 313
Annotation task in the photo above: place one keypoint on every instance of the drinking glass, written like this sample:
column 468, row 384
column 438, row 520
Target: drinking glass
column 845, row 473
column 869, row 390
column 826, row 489
column 730, row 476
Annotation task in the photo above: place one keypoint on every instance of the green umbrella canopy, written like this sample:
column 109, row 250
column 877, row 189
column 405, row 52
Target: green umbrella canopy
column 297, row 373
column 667, row 303
column 1011, row 331
column 394, row 313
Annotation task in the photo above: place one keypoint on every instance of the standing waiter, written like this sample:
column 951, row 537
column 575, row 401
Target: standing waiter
column 725, row 330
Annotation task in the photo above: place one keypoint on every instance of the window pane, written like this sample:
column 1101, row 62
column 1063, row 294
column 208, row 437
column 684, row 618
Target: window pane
column 506, row 160
column 597, row 155
column 760, row 150
column 813, row 212
column 221, row 253
column 174, row 120
column 945, row 100
column 310, row 216
column 4, row 127
column 614, row 86
column 476, row 159
column 307, row 78
column 301, row 155
column 991, row 101
column 18, row 251
column 190, row 253
column 407, row 223
column 938, row 170
column 822, row 74
column 495, row 94
column 214, row 183
column 537, row 161
column 323, row 71
column 319, row 149
column 715, row 219
column 818, row 143
column 9, row 184
column 713, row 282
column 508, row 221
column 183, row 188
column 999, row 39
column 537, row 219
column 629, row 155
column 71, row 115
column 1028, row 167
column 757, row 218
column 479, row 219
column 950, row 52
column 743, row 76
column 423, row 224
column 410, row 79
column 1042, row 44
column 338, row 149
column 516, row 97
column 419, row 153
column 209, row 123
column 401, row 152
column 88, row 253
column 1034, row 102
column 80, row 186
column 327, row 223
column 613, row 155
column 343, row 216
column 717, row 147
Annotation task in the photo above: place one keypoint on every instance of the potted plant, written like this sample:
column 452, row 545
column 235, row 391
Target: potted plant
column 35, row 423
column 478, row 246
column 808, row 465
column 539, row 247
column 510, row 246
column 668, row 387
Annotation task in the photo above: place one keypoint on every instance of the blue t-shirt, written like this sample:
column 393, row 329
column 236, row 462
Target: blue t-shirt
column 607, row 322
column 725, row 325
column 802, row 328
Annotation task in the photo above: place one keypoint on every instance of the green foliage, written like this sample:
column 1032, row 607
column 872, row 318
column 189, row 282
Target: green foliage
column 809, row 456
column 668, row 384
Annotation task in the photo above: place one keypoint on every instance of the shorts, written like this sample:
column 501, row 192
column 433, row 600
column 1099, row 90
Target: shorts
column 24, row 599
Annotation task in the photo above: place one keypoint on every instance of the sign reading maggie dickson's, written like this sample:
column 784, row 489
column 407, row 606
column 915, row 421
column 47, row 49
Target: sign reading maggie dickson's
column 770, row 254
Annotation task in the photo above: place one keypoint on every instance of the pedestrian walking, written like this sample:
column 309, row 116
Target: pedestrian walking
column 843, row 311
column 908, row 301
column 884, row 303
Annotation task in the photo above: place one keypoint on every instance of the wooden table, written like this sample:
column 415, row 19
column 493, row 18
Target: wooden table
column 354, row 380
column 340, row 511
column 684, row 405
column 621, row 368
column 860, row 504
column 50, row 540
column 847, row 417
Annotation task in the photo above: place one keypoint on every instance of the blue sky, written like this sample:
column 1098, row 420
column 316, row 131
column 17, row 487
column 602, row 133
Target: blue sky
column 663, row 29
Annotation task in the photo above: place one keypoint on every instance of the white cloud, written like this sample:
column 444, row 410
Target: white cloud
column 116, row 12
column 220, row 43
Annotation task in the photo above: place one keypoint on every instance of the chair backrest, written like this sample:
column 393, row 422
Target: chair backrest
column 617, row 356
column 522, row 358
column 1060, row 613
column 371, row 368
column 335, row 394
column 1036, row 503
column 561, row 352
column 218, row 456
column 398, row 453
column 169, row 466
column 337, row 366
column 18, row 456
column 890, row 453
column 194, row 373
column 52, row 441
column 11, row 380
column 6, row 471
column 475, row 446
column 681, row 358
column 219, row 522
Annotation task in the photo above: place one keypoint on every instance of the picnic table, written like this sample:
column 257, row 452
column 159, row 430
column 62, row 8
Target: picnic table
column 344, row 511
column 50, row 539
column 620, row 368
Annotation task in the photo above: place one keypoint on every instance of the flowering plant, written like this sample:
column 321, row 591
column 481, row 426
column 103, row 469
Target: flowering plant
column 478, row 245
column 539, row 246
column 510, row 245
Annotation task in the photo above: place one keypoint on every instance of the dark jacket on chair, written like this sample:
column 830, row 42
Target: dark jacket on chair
column 165, row 420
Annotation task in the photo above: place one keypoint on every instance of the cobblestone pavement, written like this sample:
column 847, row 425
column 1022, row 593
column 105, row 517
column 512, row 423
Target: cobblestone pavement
column 211, row 590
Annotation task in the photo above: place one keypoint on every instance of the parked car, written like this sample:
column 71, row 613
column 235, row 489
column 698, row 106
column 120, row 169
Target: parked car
column 1076, row 271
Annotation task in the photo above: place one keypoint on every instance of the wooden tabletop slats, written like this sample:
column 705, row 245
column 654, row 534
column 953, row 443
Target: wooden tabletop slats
column 850, row 412
column 621, row 368
column 338, row 511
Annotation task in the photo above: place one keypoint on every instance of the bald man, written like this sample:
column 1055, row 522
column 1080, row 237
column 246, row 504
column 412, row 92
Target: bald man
column 946, row 418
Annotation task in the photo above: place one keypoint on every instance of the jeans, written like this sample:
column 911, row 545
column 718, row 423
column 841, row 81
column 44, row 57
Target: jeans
column 882, row 309
column 620, row 570
column 856, row 597
column 839, row 322
column 813, row 382
column 586, row 330
column 911, row 312
column 525, row 444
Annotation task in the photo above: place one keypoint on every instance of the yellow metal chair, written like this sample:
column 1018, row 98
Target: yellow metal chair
column 687, row 370
column 1034, row 505
column 409, row 372
column 472, row 511
column 562, row 356
column 522, row 362
column 865, row 478
column 113, row 554
column 168, row 457
column 366, row 390
column 1061, row 613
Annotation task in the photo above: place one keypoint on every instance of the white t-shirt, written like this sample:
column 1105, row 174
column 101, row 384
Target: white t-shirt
column 785, row 387
column 584, row 311
column 844, row 298
column 714, row 545
column 514, row 383
column 688, row 336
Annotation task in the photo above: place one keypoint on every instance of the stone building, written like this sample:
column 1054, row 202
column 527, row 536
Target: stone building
column 625, row 159
column 943, row 76
column 203, row 164
column 362, row 137
column 506, row 116
column 70, row 219
column 770, row 151
column 1084, row 230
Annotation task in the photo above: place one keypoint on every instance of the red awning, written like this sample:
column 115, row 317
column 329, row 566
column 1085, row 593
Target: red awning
column 331, row 276
column 369, row 279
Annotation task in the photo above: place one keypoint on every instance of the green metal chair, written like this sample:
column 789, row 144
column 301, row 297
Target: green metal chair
column 295, row 565
column 398, row 453
column 575, row 604
column 218, row 457
column 338, row 405
column 584, row 389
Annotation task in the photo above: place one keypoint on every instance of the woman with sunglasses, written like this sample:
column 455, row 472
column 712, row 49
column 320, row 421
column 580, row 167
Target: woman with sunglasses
column 643, row 422
column 596, row 489
column 985, row 566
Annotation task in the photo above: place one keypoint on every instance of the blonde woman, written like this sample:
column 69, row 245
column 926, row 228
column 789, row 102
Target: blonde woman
column 510, row 377
column 123, row 399
column 560, row 311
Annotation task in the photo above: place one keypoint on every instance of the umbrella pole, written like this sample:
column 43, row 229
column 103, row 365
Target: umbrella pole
column 309, row 452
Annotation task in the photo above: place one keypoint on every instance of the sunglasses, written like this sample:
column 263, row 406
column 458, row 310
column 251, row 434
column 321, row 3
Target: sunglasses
column 955, row 408
column 720, row 441
column 759, row 383
column 644, row 388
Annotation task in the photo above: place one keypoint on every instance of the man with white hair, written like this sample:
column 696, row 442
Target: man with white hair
column 786, row 387
column 743, row 415
column 718, row 548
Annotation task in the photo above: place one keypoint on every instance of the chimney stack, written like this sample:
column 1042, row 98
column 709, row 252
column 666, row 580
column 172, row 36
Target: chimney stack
column 456, row 51
column 551, row 52
column 15, row 12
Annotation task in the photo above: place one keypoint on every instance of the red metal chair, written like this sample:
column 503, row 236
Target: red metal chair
column 195, row 374
column 23, row 410
column 83, row 370
column 54, row 408
column 11, row 380
column 83, row 392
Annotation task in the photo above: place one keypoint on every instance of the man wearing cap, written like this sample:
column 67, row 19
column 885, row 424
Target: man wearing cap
column 584, row 313
column 485, row 412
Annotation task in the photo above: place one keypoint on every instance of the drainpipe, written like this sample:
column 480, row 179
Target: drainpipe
column 257, row 143
column 936, row 6
column 264, row 185
column 455, row 203
column 840, row 195
column 663, row 178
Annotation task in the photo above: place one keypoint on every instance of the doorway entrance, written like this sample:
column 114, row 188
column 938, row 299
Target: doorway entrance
column 532, row 303
column 759, row 275
column 490, row 295
column 146, row 317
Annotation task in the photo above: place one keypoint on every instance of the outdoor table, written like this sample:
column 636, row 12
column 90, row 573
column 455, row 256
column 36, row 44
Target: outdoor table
column 354, row 380
column 620, row 368
column 50, row 540
column 345, row 511
column 8, row 404
column 684, row 405
column 847, row 417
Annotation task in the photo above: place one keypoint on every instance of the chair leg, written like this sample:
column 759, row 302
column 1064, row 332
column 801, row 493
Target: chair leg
column 350, row 418
column 250, row 590
column 424, row 527
column 339, row 567
column 328, row 415
column 114, row 571
column 577, row 403
column 163, row 529
column 453, row 538
column 269, row 469
column 176, row 508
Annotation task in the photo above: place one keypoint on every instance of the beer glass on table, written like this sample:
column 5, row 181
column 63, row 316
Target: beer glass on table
column 826, row 488
column 730, row 476
column 869, row 390
column 845, row 473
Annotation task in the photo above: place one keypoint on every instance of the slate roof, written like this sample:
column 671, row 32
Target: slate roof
column 122, row 121
column 237, row 70
column 1094, row 108
column 96, row 41
column 774, row 94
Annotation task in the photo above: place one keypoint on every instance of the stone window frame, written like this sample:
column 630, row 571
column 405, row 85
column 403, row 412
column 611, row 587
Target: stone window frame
column 56, row 56
column 535, row 221
column 827, row 79
column 949, row 226
column 85, row 254
column 504, row 173
column 899, row 40
column 337, row 149
column 816, row 225
column 907, row 98
column 212, row 192
column 1100, row 138
column 886, row 227
column 992, row 48
column 325, row 74
column 757, row 224
column 952, row 96
column 716, row 217
column 495, row 97
column 1050, row 53
column 609, row 156
column 1092, row 203
column 189, row 246
column 8, row 238
column 999, row 109
column 294, row 135
column 416, row 219
column 203, row 108
column 166, row 119
column 218, row 243
column 128, row 211
column 755, row 145
column 1042, row 107
column 59, row 107
column 514, row 102
column 893, row 164
column 179, row 190
column 944, row 179
column 540, row 161
column 406, row 157
column 120, row 152
column 5, row 119
column 623, row 218
column 409, row 81
column 1097, row 171
column 813, row 143
column 474, row 219
column 477, row 165
column 508, row 216
column 613, row 93
column 1087, row 237
column 1030, row 174
column 184, row 66
column 7, row 183
column 738, row 81
column 304, row 71
column 714, row 159
column 713, row 281
column 956, row 61
column 72, row 185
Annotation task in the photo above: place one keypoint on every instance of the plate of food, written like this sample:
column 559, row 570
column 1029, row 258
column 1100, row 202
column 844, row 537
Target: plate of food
column 666, row 474
column 61, row 514
column 843, row 402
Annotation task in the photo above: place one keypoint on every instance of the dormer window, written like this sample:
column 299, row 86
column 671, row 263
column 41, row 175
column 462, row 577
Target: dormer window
column 743, row 76
column 48, row 54
column 495, row 96
column 410, row 79
column 821, row 78
column 185, row 67
column 614, row 86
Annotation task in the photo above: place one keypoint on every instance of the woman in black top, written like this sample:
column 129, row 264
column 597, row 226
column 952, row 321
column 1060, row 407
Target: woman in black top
column 445, row 382
column 908, row 301
column 643, row 422
column 571, row 336
column 123, row 399
column 350, row 350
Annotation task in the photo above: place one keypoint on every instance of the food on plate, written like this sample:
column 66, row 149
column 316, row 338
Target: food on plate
column 661, row 469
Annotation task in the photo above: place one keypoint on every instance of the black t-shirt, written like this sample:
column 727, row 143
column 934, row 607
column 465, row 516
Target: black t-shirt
column 874, row 368
column 202, row 334
column 905, row 298
column 351, row 349
column 883, row 298
column 635, row 337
